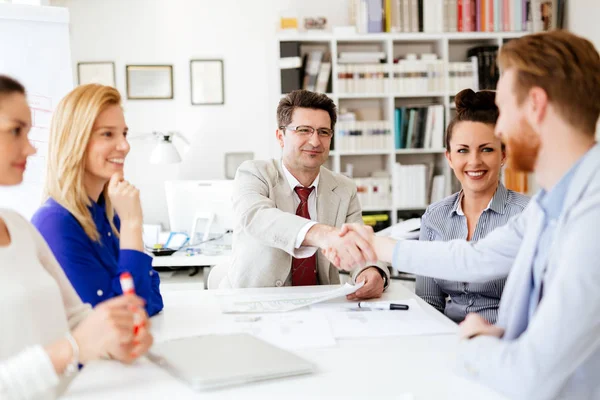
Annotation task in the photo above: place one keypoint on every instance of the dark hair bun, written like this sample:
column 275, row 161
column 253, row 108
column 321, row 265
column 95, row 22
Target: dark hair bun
column 468, row 101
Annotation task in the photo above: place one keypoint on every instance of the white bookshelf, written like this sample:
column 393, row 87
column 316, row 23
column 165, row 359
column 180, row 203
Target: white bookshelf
column 450, row 47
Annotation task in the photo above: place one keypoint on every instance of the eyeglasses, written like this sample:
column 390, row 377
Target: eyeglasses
column 307, row 131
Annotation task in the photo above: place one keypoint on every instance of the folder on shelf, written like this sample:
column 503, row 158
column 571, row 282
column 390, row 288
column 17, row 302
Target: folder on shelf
column 291, row 77
column 313, row 64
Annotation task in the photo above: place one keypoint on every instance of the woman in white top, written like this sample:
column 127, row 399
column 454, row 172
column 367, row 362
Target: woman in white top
column 46, row 329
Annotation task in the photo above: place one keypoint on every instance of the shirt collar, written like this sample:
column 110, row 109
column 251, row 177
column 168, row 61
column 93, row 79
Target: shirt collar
column 496, row 204
column 99, row 207
column 552, row 201
column 293, row 182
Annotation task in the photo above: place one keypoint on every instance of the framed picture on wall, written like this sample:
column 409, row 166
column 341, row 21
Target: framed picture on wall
column 149, row 82
column 102, row 72
column 207, row 82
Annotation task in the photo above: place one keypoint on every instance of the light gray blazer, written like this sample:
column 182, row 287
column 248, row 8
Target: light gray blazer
column 266, row 225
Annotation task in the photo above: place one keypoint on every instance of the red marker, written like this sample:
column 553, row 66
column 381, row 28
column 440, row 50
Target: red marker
column 129, row 288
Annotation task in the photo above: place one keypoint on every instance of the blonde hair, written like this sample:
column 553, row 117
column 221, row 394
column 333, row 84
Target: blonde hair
column 565, row 66
column 70, row 133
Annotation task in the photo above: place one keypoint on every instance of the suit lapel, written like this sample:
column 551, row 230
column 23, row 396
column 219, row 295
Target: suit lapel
column 282, row 193
column 328, row 202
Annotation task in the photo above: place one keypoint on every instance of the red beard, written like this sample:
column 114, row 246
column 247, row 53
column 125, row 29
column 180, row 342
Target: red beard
column 523, row 148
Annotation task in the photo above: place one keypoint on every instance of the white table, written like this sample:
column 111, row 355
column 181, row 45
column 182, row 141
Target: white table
column 382, row 368
column 181, row 259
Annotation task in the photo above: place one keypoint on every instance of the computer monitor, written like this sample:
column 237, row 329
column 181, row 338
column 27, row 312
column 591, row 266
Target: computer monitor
column 200, row 207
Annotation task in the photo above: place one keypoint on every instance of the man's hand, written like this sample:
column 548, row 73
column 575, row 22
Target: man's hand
column 373, row 287
column 364, row 233
column 350, row 248
column 475, row 325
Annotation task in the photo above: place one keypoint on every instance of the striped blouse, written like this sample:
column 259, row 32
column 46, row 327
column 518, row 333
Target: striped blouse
column 445, row 221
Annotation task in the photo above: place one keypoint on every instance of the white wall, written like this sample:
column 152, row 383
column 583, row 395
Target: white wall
column 582, row 19
column 241, row 32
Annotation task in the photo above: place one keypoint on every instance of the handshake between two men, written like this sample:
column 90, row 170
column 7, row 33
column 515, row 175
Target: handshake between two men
column 352, row 247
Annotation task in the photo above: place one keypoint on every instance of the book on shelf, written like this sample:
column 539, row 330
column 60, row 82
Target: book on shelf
column 311, row 72
column 374, row 16
column 324, row 77
column 419, row 127
column 412, row 75
column 361, row 57
column 363, row 135
column 462, row 75
column 374, row 192
column 411, row 185
column 438, row 188
column 487, row 70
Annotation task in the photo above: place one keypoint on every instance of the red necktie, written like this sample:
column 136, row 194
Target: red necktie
column 304, row 270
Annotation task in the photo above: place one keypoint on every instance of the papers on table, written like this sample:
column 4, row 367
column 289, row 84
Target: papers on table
column 268, row 303
column 291, row 330
column 348, row 323
column 186, row 314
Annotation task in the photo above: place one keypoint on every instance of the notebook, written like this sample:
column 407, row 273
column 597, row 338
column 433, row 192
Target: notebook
column 217, row 361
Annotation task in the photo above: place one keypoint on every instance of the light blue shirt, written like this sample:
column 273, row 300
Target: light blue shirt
column 555, row 353
column 551, row 203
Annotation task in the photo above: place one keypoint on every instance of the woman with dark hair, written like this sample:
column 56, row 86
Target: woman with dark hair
column 47, row 331
column 476, row 156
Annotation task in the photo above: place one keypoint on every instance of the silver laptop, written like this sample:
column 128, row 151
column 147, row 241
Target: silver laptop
column 216, row 361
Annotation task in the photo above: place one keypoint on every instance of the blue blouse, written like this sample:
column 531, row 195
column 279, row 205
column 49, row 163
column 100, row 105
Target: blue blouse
column 94, row 267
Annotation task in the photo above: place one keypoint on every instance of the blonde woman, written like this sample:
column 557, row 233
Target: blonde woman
column 46, row 329
column 92, row 218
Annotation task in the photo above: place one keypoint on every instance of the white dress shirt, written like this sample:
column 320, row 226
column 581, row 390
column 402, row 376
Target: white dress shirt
column 303, row 251
column 38, row 307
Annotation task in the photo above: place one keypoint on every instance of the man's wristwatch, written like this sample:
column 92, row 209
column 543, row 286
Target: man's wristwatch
column 384, row 276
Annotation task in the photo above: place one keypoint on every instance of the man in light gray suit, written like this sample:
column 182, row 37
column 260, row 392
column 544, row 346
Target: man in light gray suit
column 286, row 209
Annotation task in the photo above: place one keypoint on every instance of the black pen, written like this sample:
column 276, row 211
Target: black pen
column 382, row 305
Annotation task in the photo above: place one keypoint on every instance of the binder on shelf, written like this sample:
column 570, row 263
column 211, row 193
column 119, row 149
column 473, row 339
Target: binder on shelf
column 323, row 79
column 313, row 64
column 290, row 66
column 487, row 70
